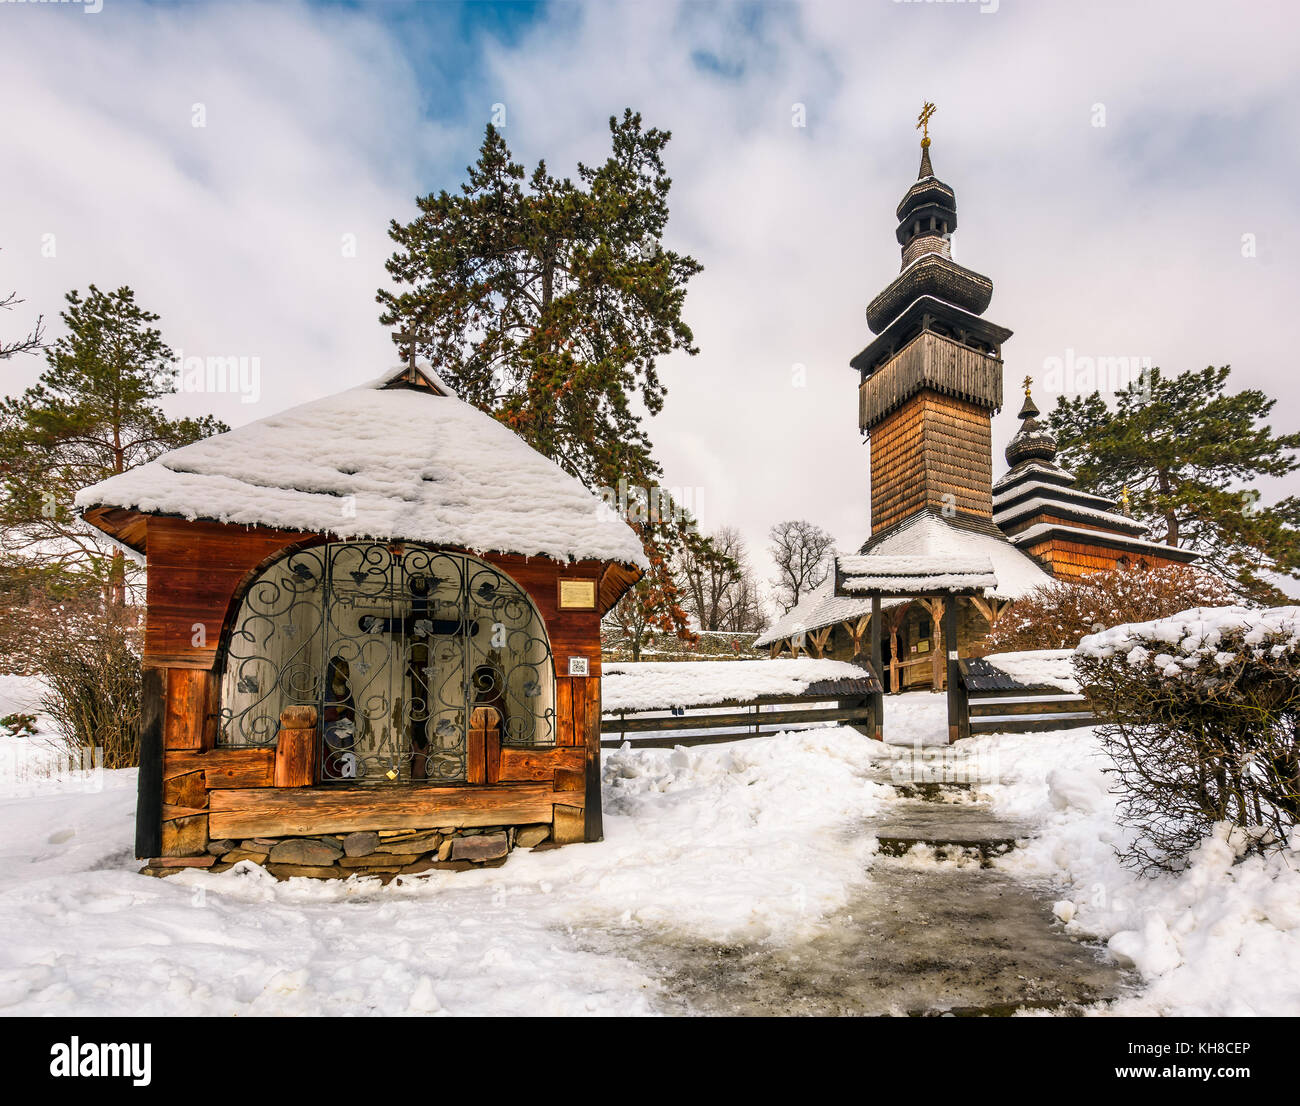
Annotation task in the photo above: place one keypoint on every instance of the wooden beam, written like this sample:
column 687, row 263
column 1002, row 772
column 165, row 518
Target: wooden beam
column 735, row 718
column 1032, row 725
column 229, row 767
column 569, row 825
column 295, row 748
column 986, row 609
column 521, row 765
column 958, row 707
column 877, row 699
column 148, row 805
column 189, row 699
column 593, row 815
column 1045, row 705
column 275, row 812
column 185, row 836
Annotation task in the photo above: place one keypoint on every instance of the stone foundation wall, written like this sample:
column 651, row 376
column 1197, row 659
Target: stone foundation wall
column 383, row 853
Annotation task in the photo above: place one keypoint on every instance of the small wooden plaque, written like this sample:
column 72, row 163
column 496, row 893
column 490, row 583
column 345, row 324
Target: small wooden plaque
column 577, row 595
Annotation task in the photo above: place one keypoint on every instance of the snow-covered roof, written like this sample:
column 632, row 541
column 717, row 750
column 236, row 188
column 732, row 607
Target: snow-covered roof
column 1043, row 530
column 815, row 611
column 1009, row 493
column 927, row 535
column 662, row 685
column 1053, row 667
column 384, row 462
column 923, row 537
column 1045, row 504
column 1047, row 470
column 907, row 573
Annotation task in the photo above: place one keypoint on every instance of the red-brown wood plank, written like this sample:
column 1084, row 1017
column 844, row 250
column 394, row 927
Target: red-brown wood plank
column 276, row 812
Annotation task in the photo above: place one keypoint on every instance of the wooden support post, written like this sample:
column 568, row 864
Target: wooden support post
column 148, row 804
column 895, row 667
column 878, row 697
column 295, row 748
column 958, row 705
column 939, row 638
column 593, row 815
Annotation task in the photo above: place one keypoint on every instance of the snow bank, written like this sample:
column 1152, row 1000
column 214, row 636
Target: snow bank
column 1052, row 667
column 662, row 685
column 376, row 463
column 1219, row 939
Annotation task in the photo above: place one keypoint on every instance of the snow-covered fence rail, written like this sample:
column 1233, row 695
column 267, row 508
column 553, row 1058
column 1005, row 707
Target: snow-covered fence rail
column 1022, row 693
column 694, row 703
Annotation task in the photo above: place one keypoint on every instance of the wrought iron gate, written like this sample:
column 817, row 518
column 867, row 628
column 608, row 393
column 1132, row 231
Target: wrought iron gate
column 395, row 645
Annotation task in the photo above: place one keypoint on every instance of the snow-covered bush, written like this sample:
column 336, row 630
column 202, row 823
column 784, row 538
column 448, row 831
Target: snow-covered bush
column 1200, row 716
column 1058, row 614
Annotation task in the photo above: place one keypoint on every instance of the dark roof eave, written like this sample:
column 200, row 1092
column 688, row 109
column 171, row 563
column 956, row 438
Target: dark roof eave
column 890, row 339
column 1108, row 541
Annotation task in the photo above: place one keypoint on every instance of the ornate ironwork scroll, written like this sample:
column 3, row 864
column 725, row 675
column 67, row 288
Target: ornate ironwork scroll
column 395, row 645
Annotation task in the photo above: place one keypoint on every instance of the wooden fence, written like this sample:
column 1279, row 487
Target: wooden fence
column 848, row 701
column 996, row 703
column 985, row 700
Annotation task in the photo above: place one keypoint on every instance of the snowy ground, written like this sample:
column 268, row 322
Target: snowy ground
column 742, row 842
column 1222, row 938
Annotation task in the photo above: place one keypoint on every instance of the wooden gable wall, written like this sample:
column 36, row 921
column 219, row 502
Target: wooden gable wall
column 197, row 573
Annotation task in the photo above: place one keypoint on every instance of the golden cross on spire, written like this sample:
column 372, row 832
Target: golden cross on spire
column 923, row 122
column 1029, row 383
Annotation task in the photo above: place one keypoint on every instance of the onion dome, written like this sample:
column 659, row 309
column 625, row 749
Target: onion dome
column 927, row 216
column 1033, row 441
column 927, row 211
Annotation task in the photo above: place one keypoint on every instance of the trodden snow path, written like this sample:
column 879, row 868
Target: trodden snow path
column 936, row 928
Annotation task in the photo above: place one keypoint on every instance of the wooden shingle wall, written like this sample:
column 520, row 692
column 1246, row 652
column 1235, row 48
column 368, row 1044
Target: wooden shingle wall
column 935, row 451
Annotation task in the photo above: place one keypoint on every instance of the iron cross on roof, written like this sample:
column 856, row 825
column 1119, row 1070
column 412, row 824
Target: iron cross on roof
column 923, row 122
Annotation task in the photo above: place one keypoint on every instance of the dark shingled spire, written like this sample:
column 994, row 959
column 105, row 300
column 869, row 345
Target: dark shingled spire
column 927, row 170
column 1033, row 441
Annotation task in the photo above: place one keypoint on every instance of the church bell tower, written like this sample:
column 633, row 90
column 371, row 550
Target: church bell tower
column 932, row 378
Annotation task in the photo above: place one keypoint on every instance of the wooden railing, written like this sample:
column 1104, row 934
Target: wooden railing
column 745, row 718
column 995, row 703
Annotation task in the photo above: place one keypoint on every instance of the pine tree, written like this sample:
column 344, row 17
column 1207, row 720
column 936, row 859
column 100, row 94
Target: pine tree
column 547, row 304
column 92, row 414
column 1188, row 453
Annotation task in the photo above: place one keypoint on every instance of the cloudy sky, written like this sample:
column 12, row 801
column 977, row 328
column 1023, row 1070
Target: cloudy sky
column 1109, row 161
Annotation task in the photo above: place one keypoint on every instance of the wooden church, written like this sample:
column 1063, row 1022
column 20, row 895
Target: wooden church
column 929, row 384
column 372, row 638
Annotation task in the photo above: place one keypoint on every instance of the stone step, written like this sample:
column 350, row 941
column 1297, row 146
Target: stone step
column 952, row 829
column 934, row 792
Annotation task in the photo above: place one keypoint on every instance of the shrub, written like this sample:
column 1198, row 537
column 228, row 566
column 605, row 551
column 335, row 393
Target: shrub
column 19, row 724
column 1200, row 714
column 92, row 669
column 1057, row 615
